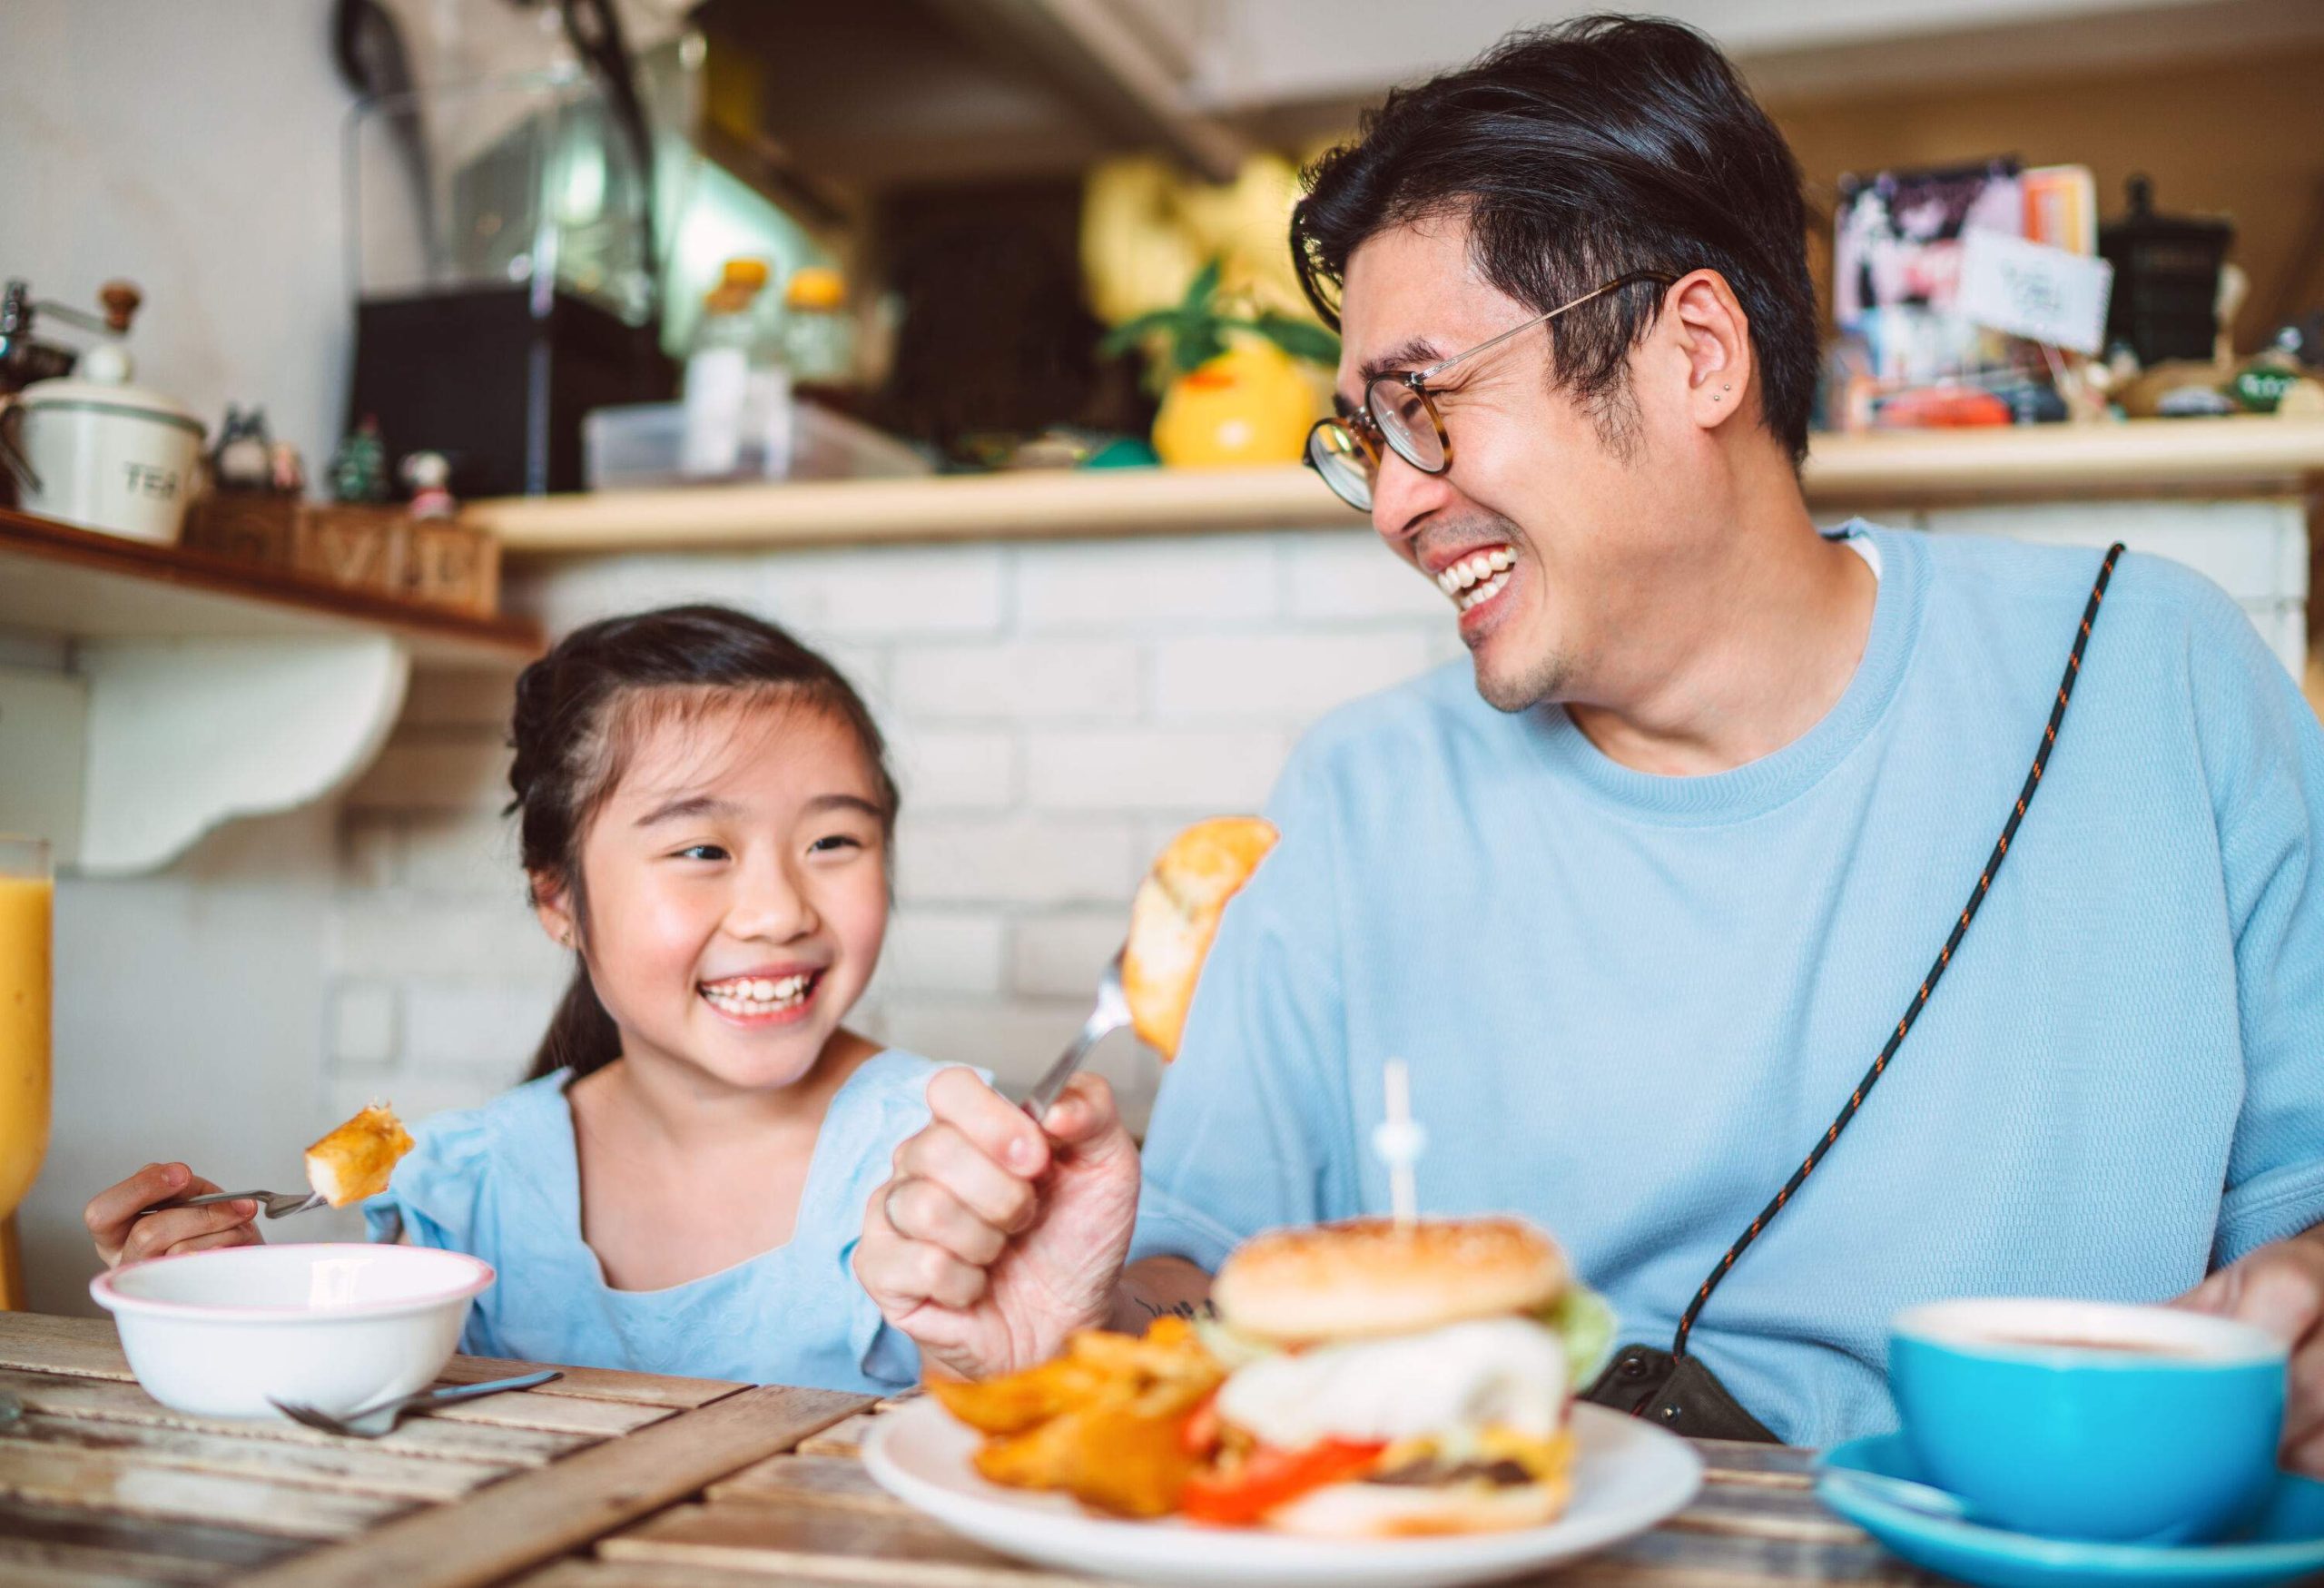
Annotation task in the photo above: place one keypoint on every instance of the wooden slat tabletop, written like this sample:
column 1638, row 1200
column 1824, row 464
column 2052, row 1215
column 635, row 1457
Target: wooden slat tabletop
column 814, row 1514
column 621, row 1480
column 100, row 1484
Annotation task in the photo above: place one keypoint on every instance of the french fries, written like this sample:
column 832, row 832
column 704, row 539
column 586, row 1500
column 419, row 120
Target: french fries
column 1104, row 1422
column 1021, row 1401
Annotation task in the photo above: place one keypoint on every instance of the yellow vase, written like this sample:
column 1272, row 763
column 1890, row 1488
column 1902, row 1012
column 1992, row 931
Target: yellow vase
column 1250, row 404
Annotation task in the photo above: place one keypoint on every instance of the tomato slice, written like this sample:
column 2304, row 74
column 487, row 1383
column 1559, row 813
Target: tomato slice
column 1269, row 1477
column 1200, row 1435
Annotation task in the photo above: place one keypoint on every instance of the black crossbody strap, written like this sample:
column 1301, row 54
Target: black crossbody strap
column 1935, row 971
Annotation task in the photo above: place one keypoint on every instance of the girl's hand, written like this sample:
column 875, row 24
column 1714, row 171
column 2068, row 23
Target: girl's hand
column 995, row 1238
column 125, row 1233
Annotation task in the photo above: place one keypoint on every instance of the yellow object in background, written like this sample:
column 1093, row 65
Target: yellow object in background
column 27, row 911
column 1147, row 229
column 2062, row 207
column 1250, row 404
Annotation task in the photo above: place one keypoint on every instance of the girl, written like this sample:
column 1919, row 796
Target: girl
column 706, row 816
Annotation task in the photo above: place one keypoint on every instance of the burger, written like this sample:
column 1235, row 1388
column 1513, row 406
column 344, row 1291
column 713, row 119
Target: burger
column 1389, row 1379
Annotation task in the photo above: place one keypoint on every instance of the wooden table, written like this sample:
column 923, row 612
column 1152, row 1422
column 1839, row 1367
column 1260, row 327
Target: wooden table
column 621, row 1480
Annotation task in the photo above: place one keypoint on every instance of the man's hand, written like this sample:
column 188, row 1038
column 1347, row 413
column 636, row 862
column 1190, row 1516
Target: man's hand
column 2280, row 1289
column 995, row 1238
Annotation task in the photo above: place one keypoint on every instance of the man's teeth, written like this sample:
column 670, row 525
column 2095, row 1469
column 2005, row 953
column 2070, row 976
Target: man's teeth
column 1482, row 593
column 756, row 995
column 1474, row 580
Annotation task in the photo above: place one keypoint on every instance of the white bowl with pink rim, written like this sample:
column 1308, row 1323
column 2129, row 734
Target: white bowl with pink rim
column 226, row 1332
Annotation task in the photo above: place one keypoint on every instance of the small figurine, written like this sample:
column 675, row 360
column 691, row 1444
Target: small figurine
column 358, row 469
column 428, row 475
column 287, row 469
column 242, row 461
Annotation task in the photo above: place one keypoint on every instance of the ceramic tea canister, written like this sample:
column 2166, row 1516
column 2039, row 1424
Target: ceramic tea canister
column 97, row 451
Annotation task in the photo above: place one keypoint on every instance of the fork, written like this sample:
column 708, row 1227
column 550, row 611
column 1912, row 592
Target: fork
column 1110, row 1015
column 374, row 1422
column 278, row 1204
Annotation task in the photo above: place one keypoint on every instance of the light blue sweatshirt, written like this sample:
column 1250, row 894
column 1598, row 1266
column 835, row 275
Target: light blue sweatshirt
column 1631, row 1003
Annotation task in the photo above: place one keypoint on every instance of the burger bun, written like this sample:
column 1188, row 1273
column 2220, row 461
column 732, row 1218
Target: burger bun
column 1367, row 1278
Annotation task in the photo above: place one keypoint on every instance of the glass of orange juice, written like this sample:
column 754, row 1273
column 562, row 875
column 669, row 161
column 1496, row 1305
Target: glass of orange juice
column 28, row 899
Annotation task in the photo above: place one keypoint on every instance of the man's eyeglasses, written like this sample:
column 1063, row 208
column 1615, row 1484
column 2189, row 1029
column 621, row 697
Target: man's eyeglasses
column 1397, row 410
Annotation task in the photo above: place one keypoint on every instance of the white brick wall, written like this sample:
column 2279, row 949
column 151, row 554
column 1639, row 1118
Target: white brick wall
column 1269, row 677
column 1019, row 681
column 1210, row 582
column 1055, row 711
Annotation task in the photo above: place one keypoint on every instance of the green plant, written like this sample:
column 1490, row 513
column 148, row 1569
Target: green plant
column 1195, row 330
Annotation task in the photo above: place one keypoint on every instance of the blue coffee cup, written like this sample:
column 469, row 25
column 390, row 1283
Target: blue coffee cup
column 2090, row 1420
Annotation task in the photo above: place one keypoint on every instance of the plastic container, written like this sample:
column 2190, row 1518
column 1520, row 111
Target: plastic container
column 637, row 448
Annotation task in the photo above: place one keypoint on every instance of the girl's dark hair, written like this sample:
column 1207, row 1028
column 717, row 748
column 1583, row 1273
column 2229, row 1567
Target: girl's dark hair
column 1577, row 154
column 581, row 711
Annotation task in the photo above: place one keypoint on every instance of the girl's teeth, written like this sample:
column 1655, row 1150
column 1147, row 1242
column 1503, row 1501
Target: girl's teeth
column 756, row 995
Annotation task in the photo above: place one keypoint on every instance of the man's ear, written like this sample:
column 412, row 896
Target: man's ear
column 553, row 908
column 1714, row 336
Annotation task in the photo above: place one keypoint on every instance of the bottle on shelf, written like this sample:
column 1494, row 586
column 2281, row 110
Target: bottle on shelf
column 737, row 400
column 818, row 336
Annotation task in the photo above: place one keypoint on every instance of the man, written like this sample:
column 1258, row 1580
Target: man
column 1641, row 899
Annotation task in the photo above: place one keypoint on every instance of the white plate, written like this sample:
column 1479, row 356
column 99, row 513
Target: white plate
column 1627, row 1477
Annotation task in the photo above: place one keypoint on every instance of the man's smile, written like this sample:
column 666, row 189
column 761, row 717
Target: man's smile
column 1472, row 577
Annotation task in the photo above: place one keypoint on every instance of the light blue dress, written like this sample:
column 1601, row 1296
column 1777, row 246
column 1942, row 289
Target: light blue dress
column 502, row 1183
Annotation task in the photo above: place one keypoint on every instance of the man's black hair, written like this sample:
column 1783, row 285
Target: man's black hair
column 1576, row 153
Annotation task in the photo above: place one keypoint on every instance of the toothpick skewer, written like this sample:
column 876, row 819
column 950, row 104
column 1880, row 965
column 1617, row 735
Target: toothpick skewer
column 1400, row 1140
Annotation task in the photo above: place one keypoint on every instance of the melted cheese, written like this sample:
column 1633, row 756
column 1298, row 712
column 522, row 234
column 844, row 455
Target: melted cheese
column 1504, row 1372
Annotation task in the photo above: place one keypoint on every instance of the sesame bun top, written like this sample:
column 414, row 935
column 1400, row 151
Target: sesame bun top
column 1366, row 1277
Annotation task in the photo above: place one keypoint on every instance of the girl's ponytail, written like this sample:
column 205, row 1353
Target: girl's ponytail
column 581, row 1035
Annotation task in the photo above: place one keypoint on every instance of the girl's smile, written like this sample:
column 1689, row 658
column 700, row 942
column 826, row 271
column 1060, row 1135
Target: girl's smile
column 770, row 995
column 735, row 890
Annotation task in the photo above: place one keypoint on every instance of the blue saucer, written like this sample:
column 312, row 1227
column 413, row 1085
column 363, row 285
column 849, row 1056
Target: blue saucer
column 2288, row 1541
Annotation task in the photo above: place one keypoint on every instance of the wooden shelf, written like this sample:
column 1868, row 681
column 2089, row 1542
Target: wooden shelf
column 77, row 584
column 194, row 689
column 2143, row 457
column 2208, row 457
column 1030, row 505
